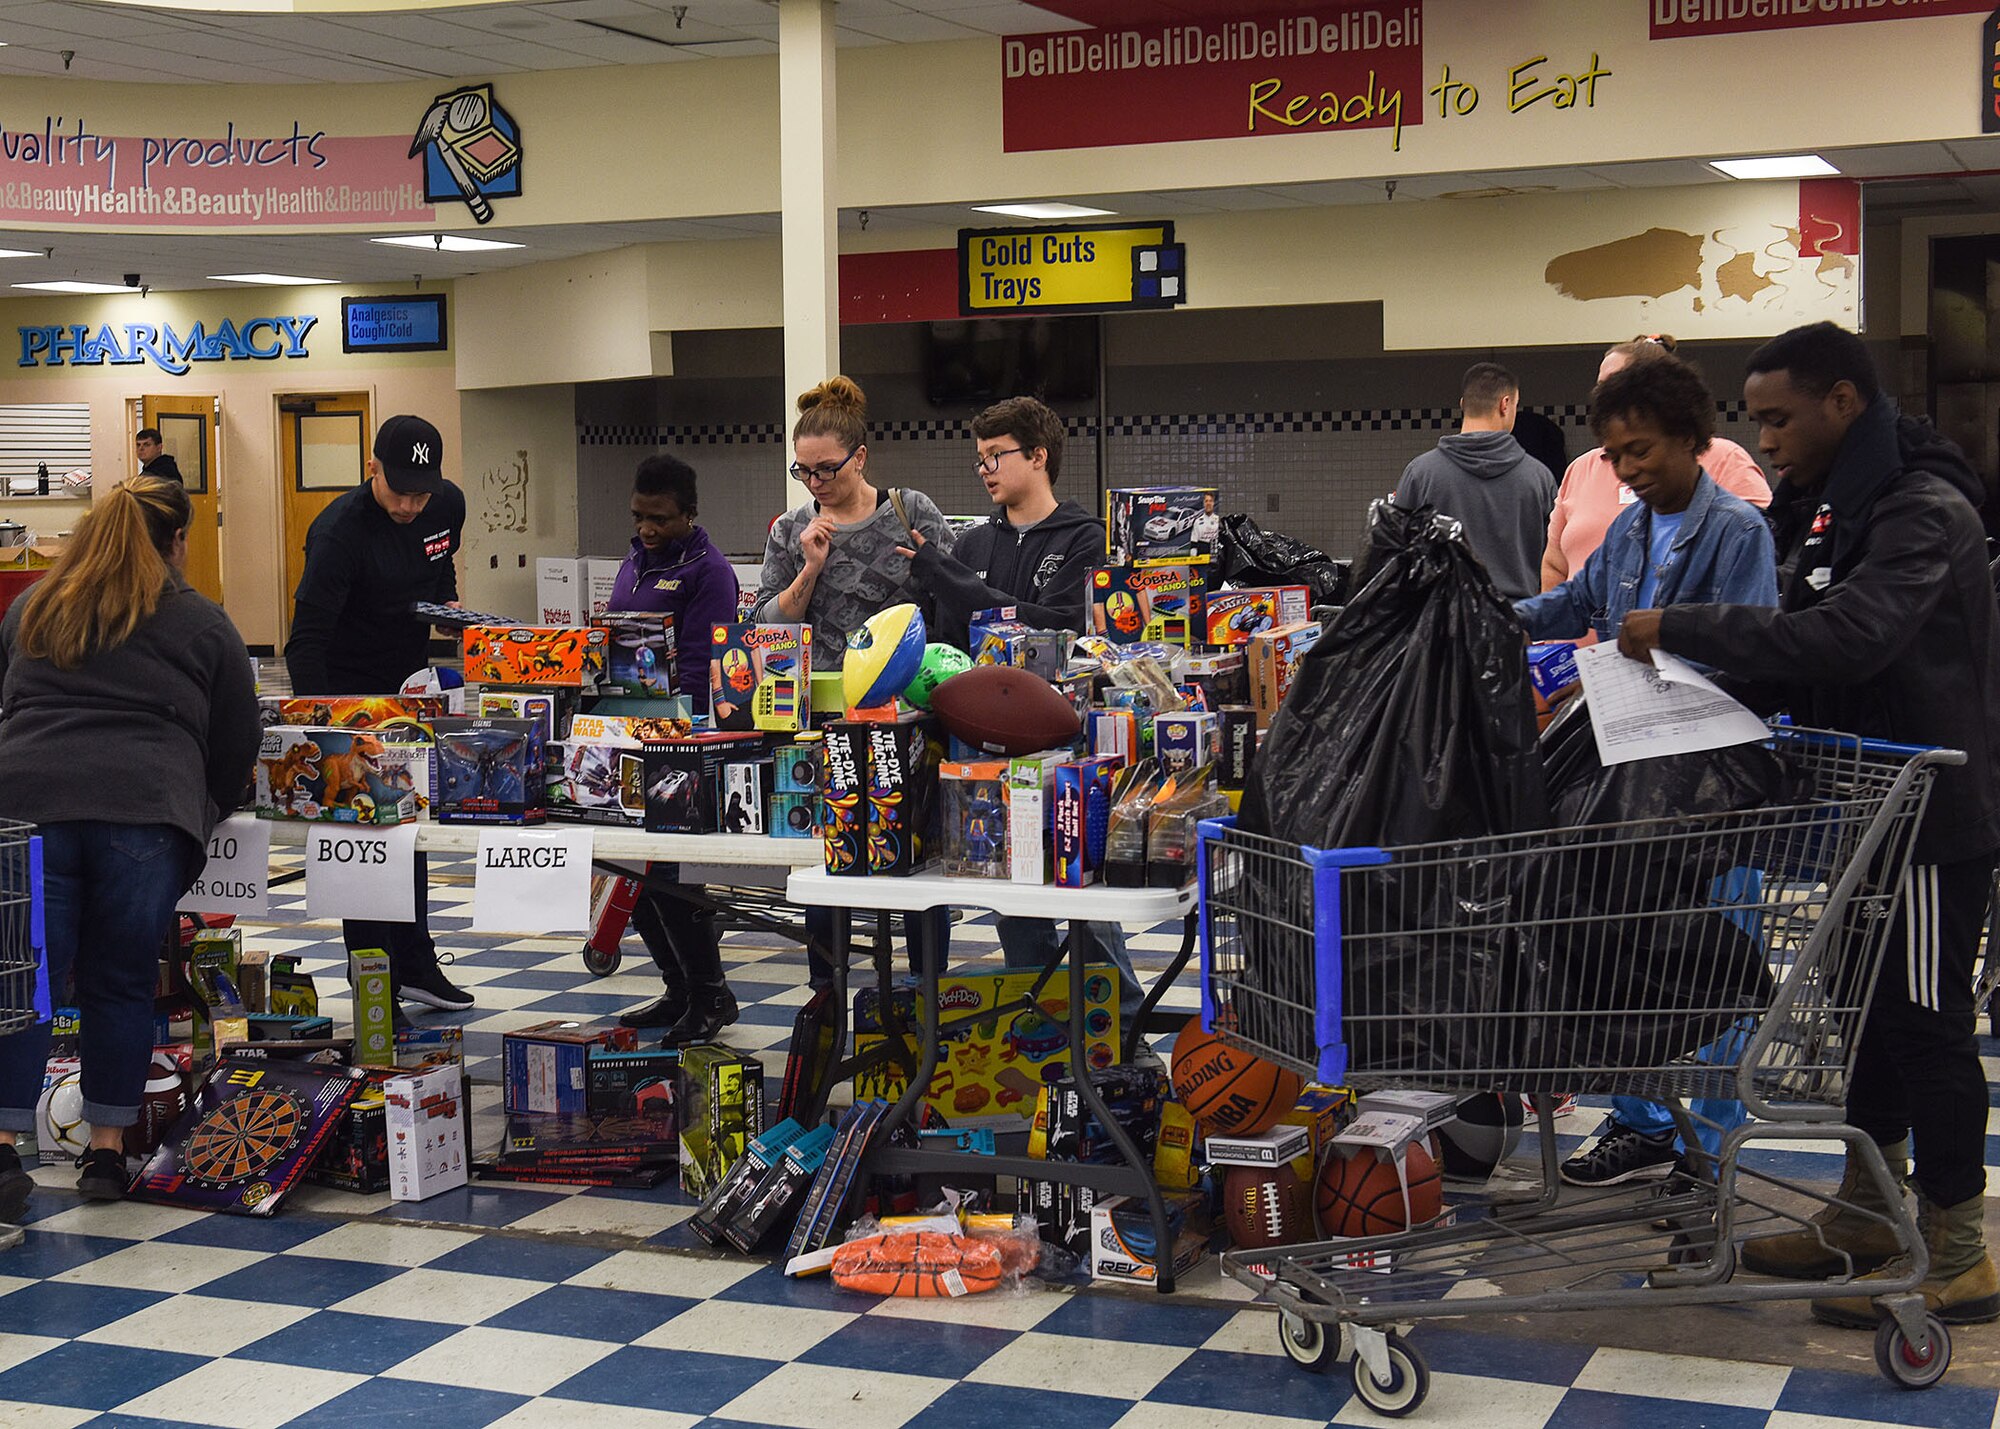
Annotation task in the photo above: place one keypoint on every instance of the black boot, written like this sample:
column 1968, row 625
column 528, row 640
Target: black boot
column 653, row 930
column 663, row 1011
column 709, row 1011
column 711, row 1005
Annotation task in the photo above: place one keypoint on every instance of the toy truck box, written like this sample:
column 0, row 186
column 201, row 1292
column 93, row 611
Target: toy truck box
column 902, row 795
column 760, row 677
column 356, row 776
column 1134, row 604
column 720, row 1099
column 571, row 656
column 1231, row 617
column 490, row 771
column 599, row 784
column 683, row 777
column 639, row 656
column 992, row 1068
column 1161, row 523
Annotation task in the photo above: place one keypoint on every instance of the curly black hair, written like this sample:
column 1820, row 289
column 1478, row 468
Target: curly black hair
column 1665, row 391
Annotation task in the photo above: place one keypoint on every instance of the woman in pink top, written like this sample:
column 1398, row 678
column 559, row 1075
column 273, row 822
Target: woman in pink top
column 1591, row 495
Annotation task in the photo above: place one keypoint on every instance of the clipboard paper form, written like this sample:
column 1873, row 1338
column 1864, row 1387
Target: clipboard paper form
column 1668, row 707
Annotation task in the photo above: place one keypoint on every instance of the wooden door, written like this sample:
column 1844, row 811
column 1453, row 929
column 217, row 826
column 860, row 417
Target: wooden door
column 191, row 433
column 323, row 440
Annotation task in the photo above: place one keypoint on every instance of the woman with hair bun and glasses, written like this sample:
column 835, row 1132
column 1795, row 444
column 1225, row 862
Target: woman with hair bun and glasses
column 128, row 728
column 833, row 562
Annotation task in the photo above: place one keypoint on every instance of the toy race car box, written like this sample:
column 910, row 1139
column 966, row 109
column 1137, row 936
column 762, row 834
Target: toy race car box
column 682, row 778
column 760, row 677
column 355, row 776
column 490, row 771
column 1130, row 604
column 573, row 656
column 993, row 1068
column 639, row 659
column 1184, row 740
column 902, row 795
column 1274, row 660
column 974, row 812
column 1122, row 1243
column 1231, row 617
column 640, row 1083
column 1082, row 818
column 543, row 1068
column 385, row 712
column 844, row 798
column 1161, row 523
column 720, row 1100
column 599, row 783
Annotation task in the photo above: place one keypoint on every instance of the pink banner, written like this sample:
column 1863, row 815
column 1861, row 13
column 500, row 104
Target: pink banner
column 62, row 173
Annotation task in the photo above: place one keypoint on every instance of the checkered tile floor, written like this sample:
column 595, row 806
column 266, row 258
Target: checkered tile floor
column 543, row 1306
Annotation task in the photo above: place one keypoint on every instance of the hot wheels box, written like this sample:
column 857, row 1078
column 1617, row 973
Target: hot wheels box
column 1231, row 617
column 1161, row 523
column 356, row 776
column 534, row 655
column 1130, row 604
column 994, row 1067
column 384, row 712
column 640, row 657
column 490, row 771
column 760, row 677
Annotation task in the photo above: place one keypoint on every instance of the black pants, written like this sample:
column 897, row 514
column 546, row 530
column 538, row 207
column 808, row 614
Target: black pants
column 1917, row 1073
column 680, row 936
column 411, row 950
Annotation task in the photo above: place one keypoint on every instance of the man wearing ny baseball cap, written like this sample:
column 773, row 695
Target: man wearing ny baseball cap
column 370, row 555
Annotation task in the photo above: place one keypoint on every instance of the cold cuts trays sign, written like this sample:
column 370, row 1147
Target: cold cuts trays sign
column 1325, row 69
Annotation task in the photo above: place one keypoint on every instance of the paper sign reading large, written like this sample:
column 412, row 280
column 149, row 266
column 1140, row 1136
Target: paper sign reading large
column 356, row 872
column 532, row 881
column 236, row 878
column 1669, row 707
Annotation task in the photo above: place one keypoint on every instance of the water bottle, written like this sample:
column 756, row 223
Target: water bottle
column 42, row 478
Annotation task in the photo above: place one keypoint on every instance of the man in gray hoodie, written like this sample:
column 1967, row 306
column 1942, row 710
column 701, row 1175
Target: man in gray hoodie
column 1482, row 477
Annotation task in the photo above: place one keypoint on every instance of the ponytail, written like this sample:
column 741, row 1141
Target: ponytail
column 109, row 579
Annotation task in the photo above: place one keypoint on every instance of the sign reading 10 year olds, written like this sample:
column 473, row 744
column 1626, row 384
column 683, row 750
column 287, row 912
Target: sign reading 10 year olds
column 236, row 878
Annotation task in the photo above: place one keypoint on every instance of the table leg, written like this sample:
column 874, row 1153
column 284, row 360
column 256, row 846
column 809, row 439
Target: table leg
column 1142, row 1022
column 927, row 1023
column 839, row 939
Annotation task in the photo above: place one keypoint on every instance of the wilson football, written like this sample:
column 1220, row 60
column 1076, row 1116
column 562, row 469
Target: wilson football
column 1266, row 1205
column 1004, row 710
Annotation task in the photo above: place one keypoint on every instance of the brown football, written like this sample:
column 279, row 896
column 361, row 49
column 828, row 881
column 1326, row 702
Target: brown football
column 1004, row 710
column 1266, row 1205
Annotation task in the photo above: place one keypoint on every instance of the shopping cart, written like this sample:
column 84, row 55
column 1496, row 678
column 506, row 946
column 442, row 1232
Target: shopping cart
column 24, row 987
column 1600, row 959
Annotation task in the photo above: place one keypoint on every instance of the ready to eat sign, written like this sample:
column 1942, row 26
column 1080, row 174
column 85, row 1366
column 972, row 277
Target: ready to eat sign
column 1328, row 68
column 1677, row 19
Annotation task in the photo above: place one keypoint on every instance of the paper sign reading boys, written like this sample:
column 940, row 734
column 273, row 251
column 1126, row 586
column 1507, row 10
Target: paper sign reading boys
column 471, row 149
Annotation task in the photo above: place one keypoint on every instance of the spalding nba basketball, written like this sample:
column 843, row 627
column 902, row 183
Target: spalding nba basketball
column 939, row 664
column 1225, row 1089
column 883, row 656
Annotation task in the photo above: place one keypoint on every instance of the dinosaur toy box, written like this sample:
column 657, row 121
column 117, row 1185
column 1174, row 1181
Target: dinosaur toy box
column 353, row 776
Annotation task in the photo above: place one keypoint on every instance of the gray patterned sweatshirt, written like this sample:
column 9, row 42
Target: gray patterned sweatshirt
column 862, row 574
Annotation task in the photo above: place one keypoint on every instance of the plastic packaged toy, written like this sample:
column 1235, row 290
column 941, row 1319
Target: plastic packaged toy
column 1125, row 832
column 1171, row 838
column 490, row 771
column 975, row 819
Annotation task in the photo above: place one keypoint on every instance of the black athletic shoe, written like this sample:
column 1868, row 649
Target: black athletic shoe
column 432, row 989
column 1621, row 1155
column 15, row 1184
column 103, row 1176
column 663, row 1011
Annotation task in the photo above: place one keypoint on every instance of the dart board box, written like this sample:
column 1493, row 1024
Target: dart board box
column 251, row 1133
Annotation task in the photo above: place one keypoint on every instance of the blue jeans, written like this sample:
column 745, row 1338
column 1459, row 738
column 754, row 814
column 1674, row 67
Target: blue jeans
column 108, row 893
column 928, row 935
column 1651, row 1118
column 1031, row 942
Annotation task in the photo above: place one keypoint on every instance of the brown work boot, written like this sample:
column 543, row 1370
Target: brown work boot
column 1838, row 1239
column 1963, row 1287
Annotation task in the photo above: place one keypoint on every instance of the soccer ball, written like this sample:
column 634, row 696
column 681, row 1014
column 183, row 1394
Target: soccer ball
column 59, row 1123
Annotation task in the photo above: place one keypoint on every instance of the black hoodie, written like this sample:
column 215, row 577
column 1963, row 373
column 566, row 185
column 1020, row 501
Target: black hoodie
column 1044, row 571
column 1887, row 625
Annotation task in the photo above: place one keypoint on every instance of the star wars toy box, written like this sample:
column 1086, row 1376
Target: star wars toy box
column 760, row 677
column 599, row 784
column 572, row 656
column 1161, row 523
column 629, row 731
column 353, row 776
column 1231, row 617
column 973, row 825
column 383, row 712
column 545, row 1068
column 683, row 779
column 426, row 1131
column 490, row 771
column 720, row 1098
column 1274, row 659
column 903, row 762
column 1132, row 604
column 992, row 1063
column 1082, row 818
column 639, row 654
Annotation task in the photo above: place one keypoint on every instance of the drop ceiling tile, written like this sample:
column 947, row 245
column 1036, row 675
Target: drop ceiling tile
column 1657, row 173
column 736, row 49
column 522, row 54
column 1893, row 160
column 908, row 29
column 404, row 29
column 110, row 22
column 1012, row 20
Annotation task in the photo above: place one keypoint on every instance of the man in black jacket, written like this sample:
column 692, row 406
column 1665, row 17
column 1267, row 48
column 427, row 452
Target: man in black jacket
column 369, row 556
column 1036, row 555
column 1886, row 627
column 153, row 460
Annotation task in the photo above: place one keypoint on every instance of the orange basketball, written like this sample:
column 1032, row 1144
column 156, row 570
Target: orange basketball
column 1225, row 1089
column 1361, row 1195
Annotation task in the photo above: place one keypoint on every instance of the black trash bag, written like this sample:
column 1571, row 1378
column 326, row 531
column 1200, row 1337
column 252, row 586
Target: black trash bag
column 1657, row 919
column 1412, row 722
column 1252, row 556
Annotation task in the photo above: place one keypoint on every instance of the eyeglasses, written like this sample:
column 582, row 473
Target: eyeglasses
column 821, row 472
column 990, row 463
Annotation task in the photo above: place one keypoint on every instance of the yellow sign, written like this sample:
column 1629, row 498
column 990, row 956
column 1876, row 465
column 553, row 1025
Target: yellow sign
column 1070, row 270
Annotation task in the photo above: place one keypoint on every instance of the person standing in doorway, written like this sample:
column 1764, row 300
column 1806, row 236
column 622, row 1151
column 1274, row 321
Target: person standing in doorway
column 153, row 459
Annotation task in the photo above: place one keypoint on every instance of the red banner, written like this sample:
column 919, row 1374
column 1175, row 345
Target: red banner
column 1324, row 70
column 1678, row 19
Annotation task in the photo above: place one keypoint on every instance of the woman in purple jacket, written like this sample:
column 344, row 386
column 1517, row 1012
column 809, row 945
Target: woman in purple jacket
column 674, row 567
